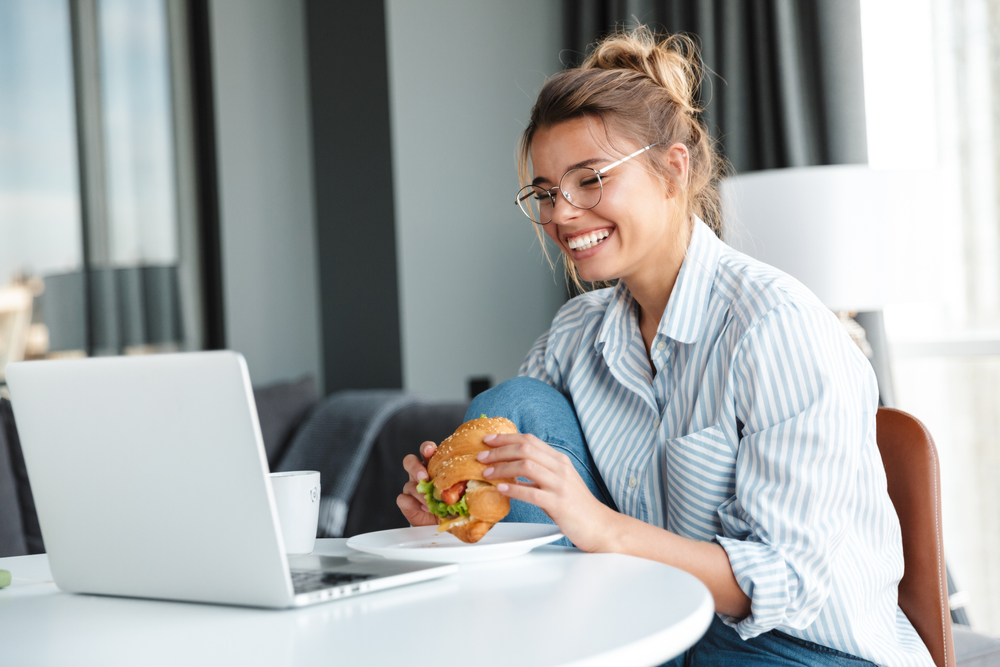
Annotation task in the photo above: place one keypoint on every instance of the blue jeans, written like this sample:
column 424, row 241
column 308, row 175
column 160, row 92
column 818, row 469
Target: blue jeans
column 722, row 646
column 537, row 408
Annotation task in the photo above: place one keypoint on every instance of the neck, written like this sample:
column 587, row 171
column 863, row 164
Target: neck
column 652, row 287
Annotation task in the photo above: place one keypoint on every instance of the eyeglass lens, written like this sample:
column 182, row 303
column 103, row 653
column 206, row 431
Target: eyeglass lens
column 581, row 187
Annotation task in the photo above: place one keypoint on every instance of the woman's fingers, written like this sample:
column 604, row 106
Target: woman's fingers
column 512, row 446
column 541, row 475
column 414, row 468
column 411, row 502
column 427, row 450
column 529, row 493
column 414, row 511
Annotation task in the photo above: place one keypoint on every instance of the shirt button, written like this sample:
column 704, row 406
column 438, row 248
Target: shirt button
column 632, row 482
column 661, row 346
column 656, row 423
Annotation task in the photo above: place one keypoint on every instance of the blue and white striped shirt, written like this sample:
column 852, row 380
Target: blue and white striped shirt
column 756, row 431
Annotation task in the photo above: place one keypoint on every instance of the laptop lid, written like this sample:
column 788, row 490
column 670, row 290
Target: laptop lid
column 150, row 477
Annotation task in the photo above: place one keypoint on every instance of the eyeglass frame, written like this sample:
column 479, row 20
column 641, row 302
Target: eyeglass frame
column 550, row 192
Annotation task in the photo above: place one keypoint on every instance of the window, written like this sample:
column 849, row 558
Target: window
column 933, row 97
column 96, row 226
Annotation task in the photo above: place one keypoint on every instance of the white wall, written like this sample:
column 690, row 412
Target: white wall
column 475, row 291
column 265, row 186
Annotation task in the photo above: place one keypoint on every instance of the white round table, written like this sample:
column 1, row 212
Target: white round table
column 554, row 606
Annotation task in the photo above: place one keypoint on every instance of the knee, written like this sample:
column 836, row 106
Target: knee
column 511, row 396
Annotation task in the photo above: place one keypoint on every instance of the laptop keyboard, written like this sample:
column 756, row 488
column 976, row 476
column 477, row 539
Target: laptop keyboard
column 307, row 581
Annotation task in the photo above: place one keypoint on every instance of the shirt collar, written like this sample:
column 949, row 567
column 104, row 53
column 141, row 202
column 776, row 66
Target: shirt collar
column 618, row 324
column 684, row 317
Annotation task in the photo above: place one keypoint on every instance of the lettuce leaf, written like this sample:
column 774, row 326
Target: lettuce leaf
column 438, row 507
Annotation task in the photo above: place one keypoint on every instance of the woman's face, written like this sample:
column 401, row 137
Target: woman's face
column 634, row 217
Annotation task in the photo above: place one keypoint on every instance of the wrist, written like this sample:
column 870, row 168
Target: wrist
column 609, row 530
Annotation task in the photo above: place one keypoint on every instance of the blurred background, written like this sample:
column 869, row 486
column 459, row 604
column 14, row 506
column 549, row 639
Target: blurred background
column 328, row 188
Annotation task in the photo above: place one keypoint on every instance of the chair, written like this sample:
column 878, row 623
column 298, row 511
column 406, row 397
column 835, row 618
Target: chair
column 15, row 320
column 911, row 469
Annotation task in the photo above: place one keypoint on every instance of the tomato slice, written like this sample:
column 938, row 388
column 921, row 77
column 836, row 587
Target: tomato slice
column 453, row 493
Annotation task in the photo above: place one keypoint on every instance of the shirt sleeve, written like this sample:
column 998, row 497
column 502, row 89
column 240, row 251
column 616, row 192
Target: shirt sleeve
column 807, row 398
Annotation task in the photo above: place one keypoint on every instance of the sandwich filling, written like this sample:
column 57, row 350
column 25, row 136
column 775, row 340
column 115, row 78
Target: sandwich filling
column 448, row 505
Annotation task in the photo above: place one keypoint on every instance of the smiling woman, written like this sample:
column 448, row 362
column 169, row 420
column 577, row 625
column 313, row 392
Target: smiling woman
column 707, row 411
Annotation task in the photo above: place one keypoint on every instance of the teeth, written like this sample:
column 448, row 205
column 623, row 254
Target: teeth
column 587, row 241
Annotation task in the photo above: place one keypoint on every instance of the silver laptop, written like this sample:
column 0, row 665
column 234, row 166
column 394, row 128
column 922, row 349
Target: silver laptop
column 150, row 479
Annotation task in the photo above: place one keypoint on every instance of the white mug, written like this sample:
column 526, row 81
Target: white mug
column 296, row 495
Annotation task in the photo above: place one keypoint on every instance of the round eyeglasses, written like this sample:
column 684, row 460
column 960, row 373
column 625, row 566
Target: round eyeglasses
column 580, row 186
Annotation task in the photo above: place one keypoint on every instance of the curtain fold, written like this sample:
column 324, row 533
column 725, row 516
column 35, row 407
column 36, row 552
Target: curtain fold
column 783, row 78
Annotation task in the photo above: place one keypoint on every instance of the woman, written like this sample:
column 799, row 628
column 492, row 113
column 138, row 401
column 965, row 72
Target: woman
column 708, row 411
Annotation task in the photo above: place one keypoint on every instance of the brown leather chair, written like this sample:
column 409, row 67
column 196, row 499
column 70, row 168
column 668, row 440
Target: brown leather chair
column 911, row 468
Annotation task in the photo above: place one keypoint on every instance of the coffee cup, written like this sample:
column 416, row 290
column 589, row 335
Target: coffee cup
column 296, row 495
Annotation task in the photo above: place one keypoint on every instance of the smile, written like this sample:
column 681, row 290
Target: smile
column 588, row 241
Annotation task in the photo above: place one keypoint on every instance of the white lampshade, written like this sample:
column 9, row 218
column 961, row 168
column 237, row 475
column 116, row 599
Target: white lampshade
column 825, row 226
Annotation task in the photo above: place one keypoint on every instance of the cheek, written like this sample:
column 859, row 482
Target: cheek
column 552, row 232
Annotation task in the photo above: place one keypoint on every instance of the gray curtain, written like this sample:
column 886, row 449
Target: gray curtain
column 784, row 84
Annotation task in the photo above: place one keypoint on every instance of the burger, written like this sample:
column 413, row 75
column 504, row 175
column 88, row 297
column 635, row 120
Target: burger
column 465, row 503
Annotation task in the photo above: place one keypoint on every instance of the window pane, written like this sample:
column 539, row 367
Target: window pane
column 135, row 87
column 134, row 262
column 40, row 233
column 39, row 201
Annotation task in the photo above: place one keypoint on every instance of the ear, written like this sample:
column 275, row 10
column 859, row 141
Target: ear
column 676, row 159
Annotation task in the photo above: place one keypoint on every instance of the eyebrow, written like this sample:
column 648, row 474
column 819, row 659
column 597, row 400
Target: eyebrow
column 582, row 163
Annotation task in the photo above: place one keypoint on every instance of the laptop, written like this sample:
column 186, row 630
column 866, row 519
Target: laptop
column 150, row 480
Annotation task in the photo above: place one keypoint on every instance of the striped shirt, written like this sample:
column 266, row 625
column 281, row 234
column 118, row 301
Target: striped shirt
column 757, row 431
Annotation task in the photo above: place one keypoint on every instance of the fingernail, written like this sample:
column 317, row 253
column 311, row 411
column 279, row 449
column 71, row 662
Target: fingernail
column 482, row 456
column 487, row 472
column 421, row 475
column 502, row 488
column 490, row 438
column 424, row 508
column 427, row 450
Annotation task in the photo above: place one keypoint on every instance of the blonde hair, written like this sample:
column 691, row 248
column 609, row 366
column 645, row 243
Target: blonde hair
column 642, row 89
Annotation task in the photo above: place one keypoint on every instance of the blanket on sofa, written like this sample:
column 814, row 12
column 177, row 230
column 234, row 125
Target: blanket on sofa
column 336, row 440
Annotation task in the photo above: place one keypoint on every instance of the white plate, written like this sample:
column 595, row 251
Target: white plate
column 505, row 540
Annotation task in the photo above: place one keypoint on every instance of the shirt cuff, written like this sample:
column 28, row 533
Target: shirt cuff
column 766, row 579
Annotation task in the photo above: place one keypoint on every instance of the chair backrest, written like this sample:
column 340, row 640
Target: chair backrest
column 914, row 484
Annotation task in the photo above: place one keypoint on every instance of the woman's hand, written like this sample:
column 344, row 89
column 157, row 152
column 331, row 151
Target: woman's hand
column 410, row 501
column 556, row 487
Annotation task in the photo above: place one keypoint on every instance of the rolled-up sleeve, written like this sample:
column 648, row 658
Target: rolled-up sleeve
column 806, row 397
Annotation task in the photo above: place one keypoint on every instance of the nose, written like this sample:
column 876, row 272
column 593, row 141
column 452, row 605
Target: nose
column 562, row 211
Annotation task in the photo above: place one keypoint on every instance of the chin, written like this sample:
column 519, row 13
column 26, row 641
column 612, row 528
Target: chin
column 593, row 276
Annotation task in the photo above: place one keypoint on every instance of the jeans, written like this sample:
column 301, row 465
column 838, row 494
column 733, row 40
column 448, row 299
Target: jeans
column 721, row 646
column 537, row 408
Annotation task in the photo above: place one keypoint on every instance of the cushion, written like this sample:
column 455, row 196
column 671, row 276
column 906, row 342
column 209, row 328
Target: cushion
column 281, row 408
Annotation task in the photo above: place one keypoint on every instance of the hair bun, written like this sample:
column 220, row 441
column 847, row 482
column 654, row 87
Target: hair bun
column 672, row 63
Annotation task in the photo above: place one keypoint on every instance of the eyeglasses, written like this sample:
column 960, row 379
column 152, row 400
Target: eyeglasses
column 580, row 186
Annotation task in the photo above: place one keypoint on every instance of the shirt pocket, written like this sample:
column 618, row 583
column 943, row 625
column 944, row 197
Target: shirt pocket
column 700, row 471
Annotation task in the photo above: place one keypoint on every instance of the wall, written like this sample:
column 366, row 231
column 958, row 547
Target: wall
column 475, row 290
column 265, row 187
